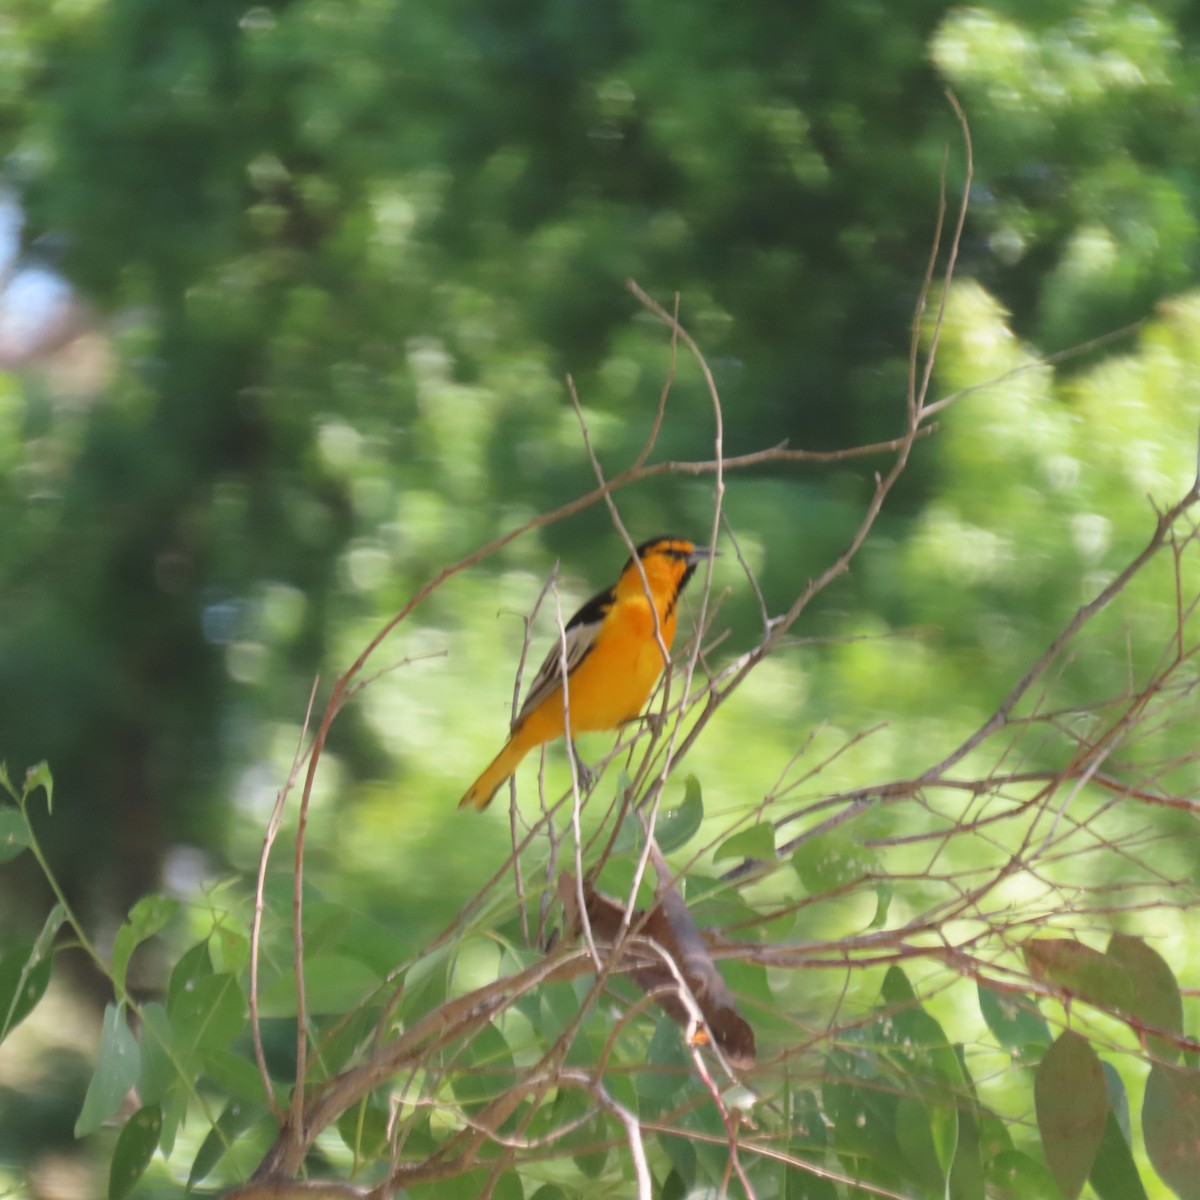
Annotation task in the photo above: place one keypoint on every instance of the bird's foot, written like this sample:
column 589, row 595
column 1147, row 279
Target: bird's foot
column 583, row 773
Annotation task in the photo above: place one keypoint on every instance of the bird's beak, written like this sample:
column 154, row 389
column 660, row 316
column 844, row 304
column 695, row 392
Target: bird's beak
column 700, row 553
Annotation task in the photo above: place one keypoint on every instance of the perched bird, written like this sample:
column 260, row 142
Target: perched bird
column 613, row 659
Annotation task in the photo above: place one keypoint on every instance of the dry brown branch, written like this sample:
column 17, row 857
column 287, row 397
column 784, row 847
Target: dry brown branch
column 1033, row 793
column 344, row 684
column 313, row 1107
column 272, row 833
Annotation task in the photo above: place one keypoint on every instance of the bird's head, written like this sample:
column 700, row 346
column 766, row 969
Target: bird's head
column 667, row 561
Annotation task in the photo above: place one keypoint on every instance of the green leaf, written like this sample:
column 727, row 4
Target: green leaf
column 549, row 1191
column 967, row 1181
column 55, row 919
column 676, row 827
column 1156, row 998
column 674, row 1187
column 1081, row 971
column 1072, row 1108
column 14, row 833
column 927, row 1122
column 235, row 1073
column 667, row 1067
column 994, row 1135
column 1012, row 1175
column 134, row 1149
column 883, row 902
column 915, row 1136
column 572, row 1105
column 1114, row 1175
column 39, row 777
column 332, row 984
column 1118, row 1101
column 943, row 1128
column 757, row 842
column 485, row 1069
column 803, row 1116
column 1015, row 1021
column 469, row 1186
column 116, row 1072
column 803, row 1183
column 6, row 781
column 558, row 1009
column 174, row 1106
column 919, row 1046
column 673, row 827
column 833, row 862
column 364, row 1129
column 349, row 934
column 426, row 983
column 1171, row 1127
column 232, row 949
column 616, row 880
column 375, row 946
column 193, row 965
column 704, row 1122
column 896, row 989
column 234, row 1120
column 335, row 1048
column 209, row 1014
column 717, row 904
column 749, row 983
column 25, row 973
column 682, row 1155
column 591, row 1159
column 149, row 915
column 324, row 925
column 156, row 1040
column 861, row 1100
column 830, row 862
column 620, row 1084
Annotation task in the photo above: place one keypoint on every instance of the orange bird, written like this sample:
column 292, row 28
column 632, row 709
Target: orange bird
column 613, row 659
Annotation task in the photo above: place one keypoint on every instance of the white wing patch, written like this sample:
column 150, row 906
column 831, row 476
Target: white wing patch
column 579, row 640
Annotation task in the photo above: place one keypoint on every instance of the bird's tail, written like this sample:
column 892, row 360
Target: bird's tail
column 479, row 794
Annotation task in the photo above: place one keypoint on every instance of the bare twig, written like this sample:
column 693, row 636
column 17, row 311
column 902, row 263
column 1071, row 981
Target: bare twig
column 256, row 924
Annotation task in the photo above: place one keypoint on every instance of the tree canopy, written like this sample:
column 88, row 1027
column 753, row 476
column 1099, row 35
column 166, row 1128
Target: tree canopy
column 341, row 270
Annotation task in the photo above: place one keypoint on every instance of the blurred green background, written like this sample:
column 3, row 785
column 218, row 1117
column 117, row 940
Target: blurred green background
column 330, row 262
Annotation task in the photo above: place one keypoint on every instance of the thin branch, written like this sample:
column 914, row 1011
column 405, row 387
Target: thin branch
column 260, row 884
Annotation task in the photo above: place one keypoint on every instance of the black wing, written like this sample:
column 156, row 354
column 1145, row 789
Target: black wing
column 580, row 636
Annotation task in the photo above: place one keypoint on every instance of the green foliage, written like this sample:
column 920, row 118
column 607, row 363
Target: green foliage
column 352, row 252
column 830, row 864
column 898, row 1105
column 1014, row 1021
column 1156, row 997
column 757, row 841
column 1114, row 1174
column 148, row 916
column 1170, row 1121
column 673, row 827
column 339, row 256
column 1072, row 1106
column 134, row 1150
column 116, row 1072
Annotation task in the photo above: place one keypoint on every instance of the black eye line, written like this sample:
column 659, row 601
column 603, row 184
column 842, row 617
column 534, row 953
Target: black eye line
column 670, row 549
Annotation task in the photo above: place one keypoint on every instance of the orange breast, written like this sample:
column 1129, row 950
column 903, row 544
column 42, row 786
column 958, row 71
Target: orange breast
column 613, row 683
